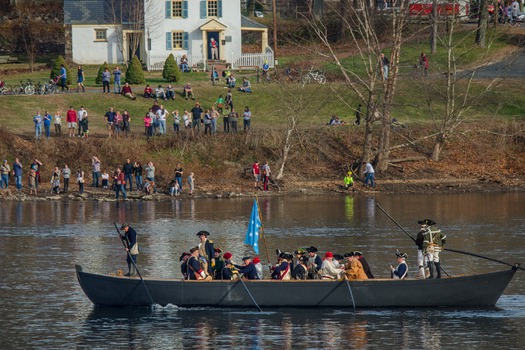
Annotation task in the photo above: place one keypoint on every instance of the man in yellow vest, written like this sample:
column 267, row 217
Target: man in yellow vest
column 349, row 181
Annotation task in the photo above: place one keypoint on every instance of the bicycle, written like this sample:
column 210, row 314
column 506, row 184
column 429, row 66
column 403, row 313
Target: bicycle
column 27, row 88
column 5, row 89
column 316, row 76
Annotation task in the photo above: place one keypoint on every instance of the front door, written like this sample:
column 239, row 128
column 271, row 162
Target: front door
column 213, row 46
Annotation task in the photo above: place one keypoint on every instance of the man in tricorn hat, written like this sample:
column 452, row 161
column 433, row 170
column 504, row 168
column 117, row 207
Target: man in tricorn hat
column 401, row 271
column 433, row 241
column 363, row 262
column 195, row 271
column 314, row 262
column 130, row 241
column 219, row 264
column 206, row 252
column 354, row 269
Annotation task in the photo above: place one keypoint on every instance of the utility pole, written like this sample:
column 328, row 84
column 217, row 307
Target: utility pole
column 274, row 8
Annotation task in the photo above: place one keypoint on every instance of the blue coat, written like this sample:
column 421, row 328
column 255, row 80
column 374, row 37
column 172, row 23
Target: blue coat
column 249, row 271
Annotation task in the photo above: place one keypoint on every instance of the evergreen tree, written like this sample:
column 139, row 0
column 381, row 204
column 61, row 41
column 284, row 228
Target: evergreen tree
column 98, row 80
column 55, row 71
column 135, row 74
column 171, row 71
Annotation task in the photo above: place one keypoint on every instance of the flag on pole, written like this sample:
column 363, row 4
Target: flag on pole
column 252, row 234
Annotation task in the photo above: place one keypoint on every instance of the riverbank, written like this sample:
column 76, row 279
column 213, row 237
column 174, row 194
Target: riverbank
column 478, row 159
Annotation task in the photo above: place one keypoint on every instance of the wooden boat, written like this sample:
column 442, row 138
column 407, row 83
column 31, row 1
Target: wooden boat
column 463, row 291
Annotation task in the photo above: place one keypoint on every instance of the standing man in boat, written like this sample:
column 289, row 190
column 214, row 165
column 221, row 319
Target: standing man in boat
column 433, row 241
column 354, row 269
column 401, row 271
column 421, row 260
column 206, row 252
column 130, row 240
column 314, row 262
column 329, row 270
column 363, row 262
column 219, row 264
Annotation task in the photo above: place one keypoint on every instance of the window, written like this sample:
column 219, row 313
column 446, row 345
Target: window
column 176, row 8
column 178, row 40
column 101, row 35
column 213, row 8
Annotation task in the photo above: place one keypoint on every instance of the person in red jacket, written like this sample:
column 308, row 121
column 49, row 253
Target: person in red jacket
column 71, row 119
column 126, row 91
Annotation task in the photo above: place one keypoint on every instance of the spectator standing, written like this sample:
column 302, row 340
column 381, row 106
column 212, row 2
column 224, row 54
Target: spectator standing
column 184, row 64
column 80, row 79
column 110, row 120
column 116, row 79
column 234, row 116
column 63, row 78
column 58, row 123
column 71, row 119
column 80, row 116
column 32, row 181
column 36, row 165
column 161, row 116
column 80, row 181
column 229, row 99
column 178, row 175
column 150, row 174
column 384, row 62
column 5, row 169
column 120, row 183
column 126, row 122
column 47, row 123
column 191, row 183
column 17, row 172
column 187, row 120
column 247, row 115
column 197, row 115
column 220, row 103
column 207, row 122
column 137, row 171
column 256, row 170
column 226, row 122
column 95, row 162
column 148, row 121
column 266, row 175
column 118, row 123
column 127, row 169
column 214, row 116
column 55, row 180
column 105, row 179
column 370, row 174
column 66, row 174
column 106, row 78
column 84, row 125
column 37, row 119
column 176, row 121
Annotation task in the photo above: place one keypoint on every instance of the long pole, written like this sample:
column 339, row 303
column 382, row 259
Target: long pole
column 351, row 294
column 262, row 232
column 517, row 266
column 133, row 262
column 408, row 234
column 250, row 294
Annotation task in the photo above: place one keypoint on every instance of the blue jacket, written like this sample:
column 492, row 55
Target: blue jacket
column 249, row 271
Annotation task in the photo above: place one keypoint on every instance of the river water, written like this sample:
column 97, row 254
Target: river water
column 43, row 307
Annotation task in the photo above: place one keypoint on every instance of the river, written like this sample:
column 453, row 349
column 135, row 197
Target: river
column 43, row 307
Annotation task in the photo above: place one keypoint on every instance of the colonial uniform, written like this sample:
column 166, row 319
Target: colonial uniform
column 433, row 241
column 366, row 267
column 206, row 253
column 354, row 269
column 329, row 270
column 195, row 271
column 283, row 271
column 401, row 271
column 219, row 265
column 300, row 272
column 249, row 271
column 314, row 263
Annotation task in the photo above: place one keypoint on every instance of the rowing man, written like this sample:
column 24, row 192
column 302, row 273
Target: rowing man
column 433, row 241
column 130, row 240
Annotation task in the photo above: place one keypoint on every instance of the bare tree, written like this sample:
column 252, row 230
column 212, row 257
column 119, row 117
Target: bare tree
column 370, row 32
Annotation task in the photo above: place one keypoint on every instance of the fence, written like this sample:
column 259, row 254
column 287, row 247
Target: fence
column 246, row 60
column 157, row 62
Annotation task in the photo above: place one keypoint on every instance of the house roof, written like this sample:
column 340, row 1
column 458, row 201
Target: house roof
column 96, row 11
column 250, row 23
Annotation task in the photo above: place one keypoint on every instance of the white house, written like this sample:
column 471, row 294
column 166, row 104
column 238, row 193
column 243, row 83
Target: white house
column 115, row 30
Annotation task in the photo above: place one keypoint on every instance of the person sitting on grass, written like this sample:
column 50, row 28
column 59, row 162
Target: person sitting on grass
column 160, row 93
column 188, row 91
column 126, row 91
column 148, row 92
column 170, row 93
column 246, row 86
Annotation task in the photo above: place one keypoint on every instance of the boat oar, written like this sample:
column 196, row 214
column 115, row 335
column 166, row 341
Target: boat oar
column 250, row 294
column 408, row 234
column 351, row 294
column 133, row 262
column 517, row 266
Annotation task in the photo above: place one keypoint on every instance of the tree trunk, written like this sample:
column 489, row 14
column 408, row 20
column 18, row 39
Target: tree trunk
column 438, row 146
column 287, row 147
column 434, row 28
column 482, row 24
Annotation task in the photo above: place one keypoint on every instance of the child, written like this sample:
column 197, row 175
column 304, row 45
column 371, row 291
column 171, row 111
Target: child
column 148, row 188
column 191, row 183
column 174, row 188
column 105, row 179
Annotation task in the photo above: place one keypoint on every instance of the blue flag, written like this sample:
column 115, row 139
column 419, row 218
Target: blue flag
column 252, row 235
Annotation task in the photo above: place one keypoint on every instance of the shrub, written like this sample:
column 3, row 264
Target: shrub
column 134, row 73
column 55, row 71
column 98, row 80
column 171, row 71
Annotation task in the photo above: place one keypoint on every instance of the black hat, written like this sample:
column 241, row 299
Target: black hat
column 287, row 256
column 124, row 225
column 338, row 257
column 401, row 255
column 194, row 249
column 349, row 254
column 203, row 233
column 278, row 252
column 246, row 258
column 184, row 255
column 357, row 253
column 312, row 250
column 428, row 222
column 300, row 251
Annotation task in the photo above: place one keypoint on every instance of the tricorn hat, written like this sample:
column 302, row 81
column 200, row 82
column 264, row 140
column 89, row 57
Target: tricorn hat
column 203, row 233
column 428, row 222
column 401, row 255
column 349, row 254
column 357, row 253
column 184, row 255
column 246, row 258
column 312, row 250
column 338, row 257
